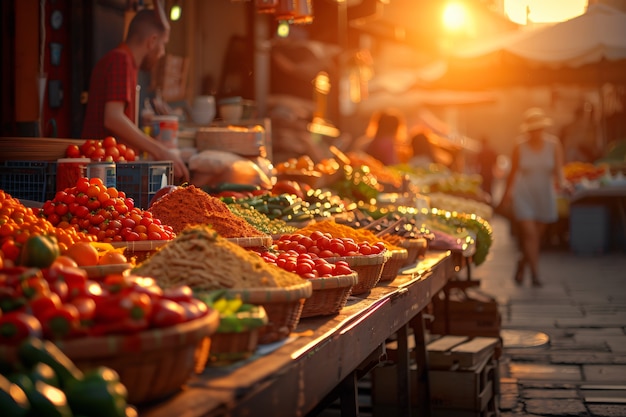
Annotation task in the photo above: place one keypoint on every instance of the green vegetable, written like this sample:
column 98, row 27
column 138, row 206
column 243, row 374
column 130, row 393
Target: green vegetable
column 99, row 394
column 32, row 351
column 39, row 251
column 46, row 400
column 44, row 372
column 13, row 400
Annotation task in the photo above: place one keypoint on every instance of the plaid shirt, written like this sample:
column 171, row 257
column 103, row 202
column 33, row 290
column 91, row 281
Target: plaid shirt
column 114, row 78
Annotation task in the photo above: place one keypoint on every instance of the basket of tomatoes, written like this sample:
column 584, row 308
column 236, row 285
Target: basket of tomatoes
column 364, row 258
column 332, row 283
column 154, row 338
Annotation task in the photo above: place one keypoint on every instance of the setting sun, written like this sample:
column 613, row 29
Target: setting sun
column 544, row 11
column 454, row 16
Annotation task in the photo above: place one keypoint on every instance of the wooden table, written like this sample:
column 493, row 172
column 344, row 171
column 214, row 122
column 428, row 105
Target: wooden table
column 326, row 358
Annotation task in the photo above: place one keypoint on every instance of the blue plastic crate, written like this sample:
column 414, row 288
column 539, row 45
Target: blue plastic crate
column 589, row 229
column 29, row 180
column 140, row 180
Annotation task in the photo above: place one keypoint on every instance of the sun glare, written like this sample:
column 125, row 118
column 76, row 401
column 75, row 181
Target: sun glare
column 454, row 16
column 544, row 11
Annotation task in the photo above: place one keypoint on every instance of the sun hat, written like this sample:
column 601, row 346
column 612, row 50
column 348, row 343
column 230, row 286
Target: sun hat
column 535, row 118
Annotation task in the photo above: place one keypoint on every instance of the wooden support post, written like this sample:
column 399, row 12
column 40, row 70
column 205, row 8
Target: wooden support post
column 421, row 360
column 403, row 364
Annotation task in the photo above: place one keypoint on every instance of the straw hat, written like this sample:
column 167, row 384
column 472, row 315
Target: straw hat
column 534, row 119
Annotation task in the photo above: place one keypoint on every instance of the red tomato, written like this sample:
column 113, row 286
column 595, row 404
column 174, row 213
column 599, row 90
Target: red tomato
column 109, row 141
column 167, row 313
column 325, row 270
column 72, row 151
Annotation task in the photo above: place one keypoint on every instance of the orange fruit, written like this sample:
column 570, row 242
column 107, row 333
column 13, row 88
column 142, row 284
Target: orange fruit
column 64, row 260
column 112, row 258
column 83, row 253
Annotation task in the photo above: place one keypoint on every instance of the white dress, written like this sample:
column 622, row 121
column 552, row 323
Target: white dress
column 534, row 196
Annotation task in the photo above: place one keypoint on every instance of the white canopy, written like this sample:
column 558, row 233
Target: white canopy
column 598, row 34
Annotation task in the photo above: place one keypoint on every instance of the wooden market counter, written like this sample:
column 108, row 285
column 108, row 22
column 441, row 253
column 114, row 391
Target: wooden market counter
column 325, row 355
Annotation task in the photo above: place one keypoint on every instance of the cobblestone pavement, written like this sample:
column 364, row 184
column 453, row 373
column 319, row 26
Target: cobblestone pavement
column 564, row 343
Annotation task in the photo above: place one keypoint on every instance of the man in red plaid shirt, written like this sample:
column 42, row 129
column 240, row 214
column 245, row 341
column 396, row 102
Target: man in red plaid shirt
column 111, row 107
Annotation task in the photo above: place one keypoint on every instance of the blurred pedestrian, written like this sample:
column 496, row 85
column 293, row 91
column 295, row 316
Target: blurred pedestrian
column 487, row 158
column 385, row 135
column 423, row 152
column 536, row 171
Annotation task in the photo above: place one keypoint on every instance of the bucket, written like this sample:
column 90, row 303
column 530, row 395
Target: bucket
column 69, row 170
column 105, row 171
column 165, row 130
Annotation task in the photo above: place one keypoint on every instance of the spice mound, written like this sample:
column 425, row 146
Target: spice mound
column 341, row 230
column 190, row 206
column 198, row 257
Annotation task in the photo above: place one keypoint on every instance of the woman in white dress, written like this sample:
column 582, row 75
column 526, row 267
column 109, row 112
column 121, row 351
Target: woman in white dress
column 536, row 174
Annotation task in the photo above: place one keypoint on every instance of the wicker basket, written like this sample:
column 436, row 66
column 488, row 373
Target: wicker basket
column 393, row 265
column 152, row 364
column 282, row 305
column 253, row 241
column 329, row 295
column 230, row 347
column 99, row 271
column 416, row 249
column 140, row 249
column 368, row 267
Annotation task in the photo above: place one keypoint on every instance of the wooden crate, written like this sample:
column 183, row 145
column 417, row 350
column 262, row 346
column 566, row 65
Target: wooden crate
column 463, row 378
column 467, row 312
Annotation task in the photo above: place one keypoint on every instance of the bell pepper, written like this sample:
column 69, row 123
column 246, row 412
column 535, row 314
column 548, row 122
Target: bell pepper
column 34, row 350
column 75, row 278
column 125, row 312
column 99, row 394
column 39, row 251
column 11, row 299
column 43, row 302
column 115, row 283
column 46, row 400
column 60, row 322
column 167, row 313
column 178, row 293
column 86, row 307
column 16, row 326
column 145, row 285
column 194, row 309
column 13, row 400
column 32, row 284
column 44, row 372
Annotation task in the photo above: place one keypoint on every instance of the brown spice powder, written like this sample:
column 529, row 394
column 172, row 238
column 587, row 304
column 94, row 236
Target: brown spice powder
column 190, row 206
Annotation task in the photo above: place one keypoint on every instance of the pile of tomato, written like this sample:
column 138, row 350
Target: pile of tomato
column 307, row 265
column 60, row 302
column 18, row 223
column 324, row 245
column 102, row 150
column 105, row 213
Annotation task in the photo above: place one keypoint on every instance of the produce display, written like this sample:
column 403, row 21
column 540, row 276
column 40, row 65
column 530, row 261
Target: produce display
column 362, row 237
column 451, row 221
column 104, row 213
column 576, row 172
column 460, row 204
column 60, row 302
column 190, row 206
column 290, row 207
column 307, row 260
column 102, row 150
column 50, row 296
column 45, row 382
column 205, row 261
column 18, row 223
column 235, row 315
